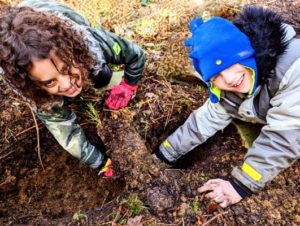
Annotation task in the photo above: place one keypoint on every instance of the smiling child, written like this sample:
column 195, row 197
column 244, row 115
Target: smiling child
column 252, row 69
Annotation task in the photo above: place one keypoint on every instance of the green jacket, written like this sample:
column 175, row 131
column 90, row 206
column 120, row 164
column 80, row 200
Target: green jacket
column 106, row 48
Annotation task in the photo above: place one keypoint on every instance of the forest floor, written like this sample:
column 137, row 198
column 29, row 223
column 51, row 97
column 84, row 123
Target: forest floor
column 65, row 192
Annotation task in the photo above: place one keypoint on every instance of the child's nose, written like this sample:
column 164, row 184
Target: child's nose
column 227, row 77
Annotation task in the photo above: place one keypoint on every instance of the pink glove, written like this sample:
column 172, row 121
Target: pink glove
column 107, row 169
column 109, row 172
column 120, row 95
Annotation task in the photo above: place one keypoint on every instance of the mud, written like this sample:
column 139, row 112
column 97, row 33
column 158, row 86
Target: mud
column 134, row 162
column 31, row 195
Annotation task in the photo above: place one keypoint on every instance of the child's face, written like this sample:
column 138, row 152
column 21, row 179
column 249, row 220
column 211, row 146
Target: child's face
column 236, row 78
column 54, row 76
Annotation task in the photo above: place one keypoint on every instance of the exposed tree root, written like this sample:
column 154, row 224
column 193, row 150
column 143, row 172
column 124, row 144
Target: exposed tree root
column 141, row 172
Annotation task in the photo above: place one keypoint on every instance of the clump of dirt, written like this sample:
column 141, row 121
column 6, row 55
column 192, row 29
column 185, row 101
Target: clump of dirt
column 134, row 161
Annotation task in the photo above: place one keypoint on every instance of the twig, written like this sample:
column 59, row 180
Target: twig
column 106, row 223
column 215, row 217
column 179, row 170
column 2, row 157
column 156, row 119
column 117, row 215
column 85, row 123
column 39, row 126
column 169, row 116
column 105, row 197
column 4, row 150
column 168, row 84
column 270, row 2
column 28, row 216
column 169, row 224
column 11, row 134
column 150, row 108
column 104, row 109
column 37, row 135
column 106, row 204
column 165, row 84
column 26, row 130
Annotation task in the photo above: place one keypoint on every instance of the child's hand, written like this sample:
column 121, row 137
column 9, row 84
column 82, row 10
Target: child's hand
column 155, row 157
column 120, row 95
column 221, row 191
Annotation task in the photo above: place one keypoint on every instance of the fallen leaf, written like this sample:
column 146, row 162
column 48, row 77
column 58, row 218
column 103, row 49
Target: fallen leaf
column 201, row 219
column 135, row 221
column 212, row 207
column 202, row 197
column 151, row 95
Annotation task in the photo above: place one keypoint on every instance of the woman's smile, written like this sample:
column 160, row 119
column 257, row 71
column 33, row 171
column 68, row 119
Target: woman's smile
column 56, row 77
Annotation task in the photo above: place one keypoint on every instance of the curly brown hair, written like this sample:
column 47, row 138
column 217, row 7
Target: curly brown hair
column 26, row 34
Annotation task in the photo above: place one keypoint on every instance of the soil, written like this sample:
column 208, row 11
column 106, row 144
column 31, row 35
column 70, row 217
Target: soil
column 67, row 192
column 33, row 196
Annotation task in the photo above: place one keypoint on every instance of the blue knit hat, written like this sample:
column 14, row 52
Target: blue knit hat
column 216, row 45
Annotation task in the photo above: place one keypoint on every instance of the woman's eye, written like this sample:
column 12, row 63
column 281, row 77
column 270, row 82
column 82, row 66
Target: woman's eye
column 74, row 76
column 50, row 83
column 65, row 70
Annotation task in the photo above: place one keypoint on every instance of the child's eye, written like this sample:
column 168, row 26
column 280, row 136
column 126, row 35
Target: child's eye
column 49, row 83
column 213, row 79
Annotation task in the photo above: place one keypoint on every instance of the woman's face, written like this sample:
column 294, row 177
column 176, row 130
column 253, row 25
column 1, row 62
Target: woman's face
column 236, row 78
column 54, row 76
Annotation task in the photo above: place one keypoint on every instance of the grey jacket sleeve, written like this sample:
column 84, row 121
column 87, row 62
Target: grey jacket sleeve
column 278, row 145
column 61, row 123
column 200, row 125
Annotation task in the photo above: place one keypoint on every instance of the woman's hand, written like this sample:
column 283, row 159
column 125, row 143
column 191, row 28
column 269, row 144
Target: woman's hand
column 120, row 95
column 221, row 191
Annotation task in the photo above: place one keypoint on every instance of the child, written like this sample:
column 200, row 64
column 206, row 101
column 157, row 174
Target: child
column 252, row 69
column 49, row 54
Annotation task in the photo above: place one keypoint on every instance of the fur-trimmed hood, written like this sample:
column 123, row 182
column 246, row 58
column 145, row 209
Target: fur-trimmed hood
column 269, row 37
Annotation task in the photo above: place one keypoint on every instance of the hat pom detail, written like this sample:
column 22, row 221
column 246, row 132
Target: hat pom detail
column 195, row 23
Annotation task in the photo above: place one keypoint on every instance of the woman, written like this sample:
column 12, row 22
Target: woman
column 49, row 54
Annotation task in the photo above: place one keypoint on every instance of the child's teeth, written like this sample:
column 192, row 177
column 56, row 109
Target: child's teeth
column 239, row 82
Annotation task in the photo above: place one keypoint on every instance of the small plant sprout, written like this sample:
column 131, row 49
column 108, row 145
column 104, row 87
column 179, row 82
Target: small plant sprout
column 147, row 126
column 122, row 220
column 195, row 206
column 134, row 204
column 77, row 216
column 202, row 180
column 92, row 114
